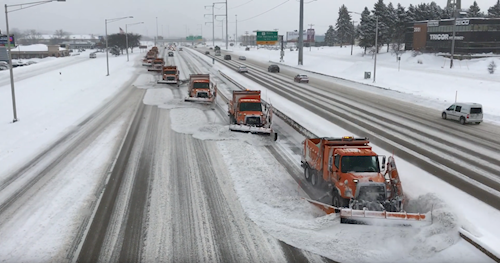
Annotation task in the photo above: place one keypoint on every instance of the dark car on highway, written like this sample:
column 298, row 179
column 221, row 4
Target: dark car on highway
column 227, row 57
column 273, row 68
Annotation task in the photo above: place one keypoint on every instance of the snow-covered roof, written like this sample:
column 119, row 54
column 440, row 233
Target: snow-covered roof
column 88, row 37
column 36, row 47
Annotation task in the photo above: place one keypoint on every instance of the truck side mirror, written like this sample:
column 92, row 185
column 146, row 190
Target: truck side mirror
column 383, row 162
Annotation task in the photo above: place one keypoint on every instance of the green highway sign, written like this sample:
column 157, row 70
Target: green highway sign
column 267, row 37
column 194, row 38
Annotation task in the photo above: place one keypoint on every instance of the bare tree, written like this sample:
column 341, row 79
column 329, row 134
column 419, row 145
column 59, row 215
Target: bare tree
column 59, row 36
column 32, row 36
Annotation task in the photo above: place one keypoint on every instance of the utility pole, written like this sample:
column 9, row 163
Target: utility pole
column 213, row 26
column 454, row 32
column 227, row 35
column 311, row 26
column 301, row 33
column 156, row 39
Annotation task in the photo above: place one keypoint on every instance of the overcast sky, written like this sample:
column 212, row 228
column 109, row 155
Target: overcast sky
column 181, row 17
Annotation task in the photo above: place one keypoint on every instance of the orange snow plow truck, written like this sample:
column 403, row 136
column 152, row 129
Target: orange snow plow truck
column 248, row 113
column 365, row 188
column 170, row 75
column 157, row 65
column 201, row 89
column 150, row 56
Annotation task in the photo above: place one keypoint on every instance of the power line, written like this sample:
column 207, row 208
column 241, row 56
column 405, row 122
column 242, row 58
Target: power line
column 240, row 5
column 264, row 12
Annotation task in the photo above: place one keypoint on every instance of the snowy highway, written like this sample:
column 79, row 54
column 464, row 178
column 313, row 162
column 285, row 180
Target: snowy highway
column 414, row 133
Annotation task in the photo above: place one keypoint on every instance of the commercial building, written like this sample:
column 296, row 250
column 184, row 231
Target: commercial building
column 472, row 35
column 38, row 51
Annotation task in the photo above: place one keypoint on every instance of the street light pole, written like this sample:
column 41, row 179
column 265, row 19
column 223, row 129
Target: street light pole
column 106, row 21
column 301, row 33
column 227, row 29
column 126, row 34
column 236, row 35
column 454, row 32
column 156, row 39
column 376, row 50
column 9, row 50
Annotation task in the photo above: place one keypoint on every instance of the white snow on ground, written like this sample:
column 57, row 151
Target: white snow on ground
column 272, row 199
column 479, row 219
column 431, row 83
column 50, row 104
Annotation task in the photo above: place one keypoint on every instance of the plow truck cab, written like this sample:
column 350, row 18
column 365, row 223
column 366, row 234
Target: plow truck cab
column 248, row 113
column 170, row 75
column 362, row 183
column 201, row 89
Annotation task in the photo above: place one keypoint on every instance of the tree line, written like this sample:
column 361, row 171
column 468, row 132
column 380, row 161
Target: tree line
column 392, row 23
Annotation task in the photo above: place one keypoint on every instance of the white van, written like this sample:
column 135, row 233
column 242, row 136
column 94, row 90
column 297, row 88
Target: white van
column 464, row 113
column 92, row 55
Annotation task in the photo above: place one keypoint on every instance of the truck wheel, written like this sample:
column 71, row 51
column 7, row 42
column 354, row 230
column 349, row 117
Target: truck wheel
column 315, row 180
column 338, row 201
column 443, row 115
column 307, row 172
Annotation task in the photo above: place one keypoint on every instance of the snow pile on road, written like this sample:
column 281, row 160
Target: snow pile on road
column 271, row 199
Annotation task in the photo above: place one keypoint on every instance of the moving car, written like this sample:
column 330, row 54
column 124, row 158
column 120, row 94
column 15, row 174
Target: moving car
column 92, row 55
column 170, row 54
column 211, row 48
column 247, row 49
column 180, row 49
column 273, row 68
column 301, row 79
column 242, row 58
column 207, row 52
column 464, row 113
column 242, row 69
column 227, row 57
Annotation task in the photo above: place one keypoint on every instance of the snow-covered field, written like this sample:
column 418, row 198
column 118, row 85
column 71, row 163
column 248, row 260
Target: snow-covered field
column 425, row 79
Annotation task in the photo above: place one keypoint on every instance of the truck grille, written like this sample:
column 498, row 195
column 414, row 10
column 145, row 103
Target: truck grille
column 253, row 121
column 371, row 193
column 202, row 95
column 170, row 78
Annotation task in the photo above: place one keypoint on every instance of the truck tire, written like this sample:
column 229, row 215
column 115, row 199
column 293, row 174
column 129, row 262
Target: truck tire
column 315, row 180
column 307, row 172
column 338, row 201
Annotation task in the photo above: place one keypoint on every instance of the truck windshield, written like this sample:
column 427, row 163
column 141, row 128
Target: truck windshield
column 170, row 72
column 250, row 106
column 359, row 164
column 201, row 85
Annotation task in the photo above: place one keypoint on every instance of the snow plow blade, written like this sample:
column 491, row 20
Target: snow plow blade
column 244, row 128
column 378, row 218
column 200, row 100
column 167, row 82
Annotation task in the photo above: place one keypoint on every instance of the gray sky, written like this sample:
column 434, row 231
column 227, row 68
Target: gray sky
column 175, row 18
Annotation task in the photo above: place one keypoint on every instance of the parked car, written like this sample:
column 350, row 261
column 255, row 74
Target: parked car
column 242, row 58
column 301, row 79
column 211, row 48
column 247, row 49
column 31, row 62
column 180, row 49
column 227, row 57
column 207, row 52
column 464, row 113
column 273, row 68
column 242, row 69
column 170, row 54
column 92, row 55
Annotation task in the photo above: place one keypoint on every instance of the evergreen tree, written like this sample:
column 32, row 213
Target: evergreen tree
column 344, row 26
column 422, row 12
column 494, row 11
column 366, row 30
column 434, row 11
column 410, row 14
column 119, row 40
column 330, row 36
column 401, row 25
column 390, row 21
column 380, row 10
column 474, row 11
column 446, row 13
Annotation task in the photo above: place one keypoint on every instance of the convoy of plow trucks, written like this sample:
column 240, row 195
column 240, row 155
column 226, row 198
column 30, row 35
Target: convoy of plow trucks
column 365, row 188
